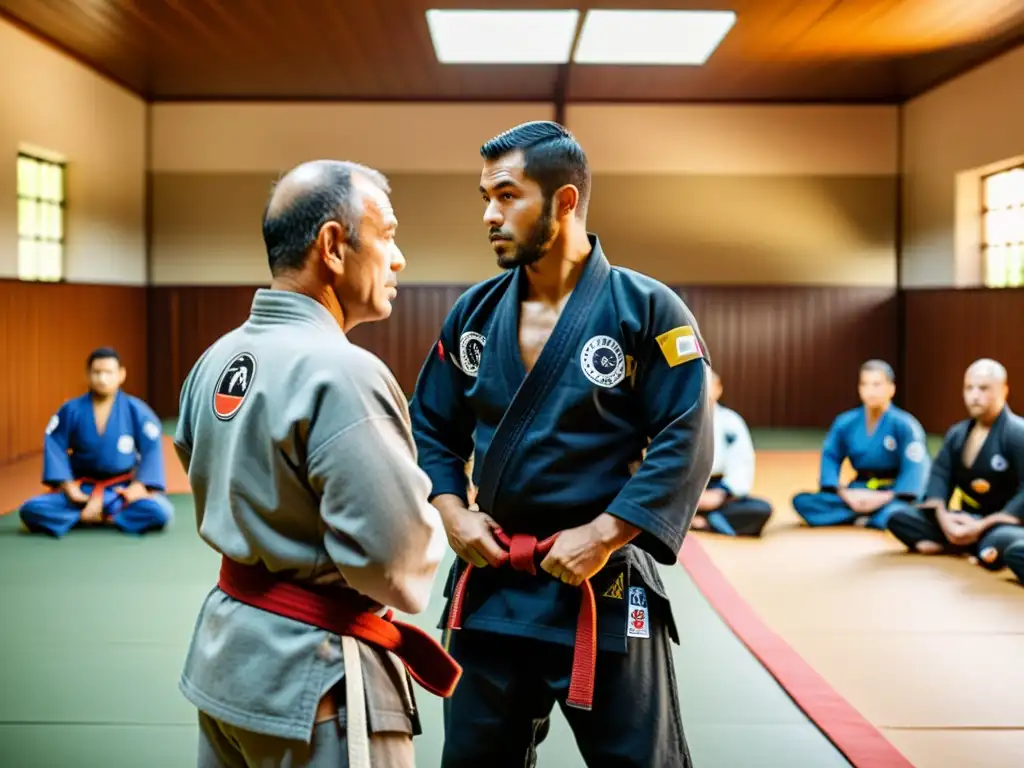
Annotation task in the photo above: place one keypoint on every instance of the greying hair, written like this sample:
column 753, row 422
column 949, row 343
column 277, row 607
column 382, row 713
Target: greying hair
column 880, row 366
column 291, row 227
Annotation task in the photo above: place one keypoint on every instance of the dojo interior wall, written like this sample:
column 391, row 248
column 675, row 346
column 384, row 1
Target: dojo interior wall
column 778, row 223
column 51, row 103
column 952, row 136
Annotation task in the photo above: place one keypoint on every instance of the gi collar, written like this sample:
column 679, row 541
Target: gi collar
column 275, row 307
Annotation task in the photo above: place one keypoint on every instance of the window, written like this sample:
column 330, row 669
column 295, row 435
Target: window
column 40, row 218
column 1002, row 228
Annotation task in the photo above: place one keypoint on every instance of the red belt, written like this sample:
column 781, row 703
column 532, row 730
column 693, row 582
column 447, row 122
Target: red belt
column 427, row 662
column 99, row 486
column 523, row 553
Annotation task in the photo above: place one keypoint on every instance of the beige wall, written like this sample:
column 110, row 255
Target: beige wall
column 49, row 101
column 951, row 136
column 696, row 194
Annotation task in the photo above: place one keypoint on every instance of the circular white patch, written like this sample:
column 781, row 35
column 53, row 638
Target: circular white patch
column 889, row 442
column 471, row 350
column 52, row 424
column 126, row 444
column 998, row 463
column 603, row 362
column 915, row 452
column 151, row 430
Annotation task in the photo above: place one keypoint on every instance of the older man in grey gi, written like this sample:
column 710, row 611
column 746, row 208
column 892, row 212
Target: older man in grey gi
column 301, row 459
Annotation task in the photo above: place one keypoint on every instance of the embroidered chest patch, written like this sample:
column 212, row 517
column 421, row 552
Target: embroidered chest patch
column 471, row 352
column 233, row 385
column 603, row 361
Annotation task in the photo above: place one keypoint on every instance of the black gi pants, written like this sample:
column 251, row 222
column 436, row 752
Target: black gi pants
column 912, row 525
column 501, row 707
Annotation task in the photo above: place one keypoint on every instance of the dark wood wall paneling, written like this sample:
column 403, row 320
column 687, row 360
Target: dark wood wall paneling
column 946, row 330
column 788, row 355
column 46, row 333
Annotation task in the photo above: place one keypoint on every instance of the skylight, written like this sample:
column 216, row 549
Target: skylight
column 502, row 37
column 651, row 37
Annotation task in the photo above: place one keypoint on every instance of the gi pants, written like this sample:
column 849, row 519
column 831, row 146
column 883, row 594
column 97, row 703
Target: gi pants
column 913, row 525
column 500, row 710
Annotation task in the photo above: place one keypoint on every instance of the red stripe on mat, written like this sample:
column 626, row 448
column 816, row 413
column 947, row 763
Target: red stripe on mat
column 859, row 741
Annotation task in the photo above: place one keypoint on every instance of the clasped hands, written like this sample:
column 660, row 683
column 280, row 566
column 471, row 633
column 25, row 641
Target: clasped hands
column 960, row 528
column 92, row 509
column 576, row 555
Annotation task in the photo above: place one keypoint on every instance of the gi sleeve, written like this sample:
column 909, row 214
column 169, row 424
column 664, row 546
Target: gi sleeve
column 833, row 452
column 738, row 477
column 384, row 536
column 1015, row 446
column 149, row 439
column 661, row 497
column 914, row 462
column 442, row 420
column 940, row 479
column 183, row 430
column 56, row 442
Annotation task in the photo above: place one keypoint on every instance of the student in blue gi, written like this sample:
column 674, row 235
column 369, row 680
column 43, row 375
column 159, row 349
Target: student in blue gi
column 103, row 458
column 554, row 376
column 726, row 506
column 887, row 449
column 981, row 462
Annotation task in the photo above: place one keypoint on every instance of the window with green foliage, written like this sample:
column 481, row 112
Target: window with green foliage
column 1002, row 228
column 40, row 218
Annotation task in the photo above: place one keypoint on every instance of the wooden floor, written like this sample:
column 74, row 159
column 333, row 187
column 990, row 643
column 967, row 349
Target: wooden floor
column 930, row 650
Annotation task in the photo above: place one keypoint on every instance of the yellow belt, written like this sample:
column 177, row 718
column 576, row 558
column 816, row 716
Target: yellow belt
column 876, row 483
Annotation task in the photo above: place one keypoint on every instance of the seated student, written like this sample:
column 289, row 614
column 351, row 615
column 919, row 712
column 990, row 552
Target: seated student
column 725, row 506
column 981, row 461
column 885, row 445
column 103, row 456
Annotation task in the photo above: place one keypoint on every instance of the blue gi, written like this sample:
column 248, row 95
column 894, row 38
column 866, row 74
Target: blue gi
column 552, row 450
column 894, row 457
column 993, row 483
column 73, row 449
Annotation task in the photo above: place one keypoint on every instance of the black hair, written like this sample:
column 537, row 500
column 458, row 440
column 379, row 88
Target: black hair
column 882, row 367
column 102, row 353
column 290, row 229
column 552, row 157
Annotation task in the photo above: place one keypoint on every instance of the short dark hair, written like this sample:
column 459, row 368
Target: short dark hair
column 102, row 353
column 290, row 230
column 552, row 157
column 881, row 366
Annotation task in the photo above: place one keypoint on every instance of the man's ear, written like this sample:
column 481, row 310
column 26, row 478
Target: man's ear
column 123, row 374
column 566, row 200
column 332, row 245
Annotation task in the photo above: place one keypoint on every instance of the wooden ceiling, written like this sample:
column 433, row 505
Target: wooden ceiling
column 882, row 51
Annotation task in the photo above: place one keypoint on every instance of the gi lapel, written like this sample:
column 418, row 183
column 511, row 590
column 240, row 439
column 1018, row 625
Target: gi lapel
column 545, row 374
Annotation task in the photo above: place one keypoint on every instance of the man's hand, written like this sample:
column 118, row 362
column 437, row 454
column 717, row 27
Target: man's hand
column 960, row 529
column 74, row 492
column 133, row 492
column 579, row 553
column 93, row 511
column 470, row 533
column 711, row 499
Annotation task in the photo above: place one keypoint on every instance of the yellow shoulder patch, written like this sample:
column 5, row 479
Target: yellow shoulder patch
column 680, row 345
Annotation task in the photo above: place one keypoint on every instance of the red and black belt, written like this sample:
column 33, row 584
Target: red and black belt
column 428, row 663
column 524, row 553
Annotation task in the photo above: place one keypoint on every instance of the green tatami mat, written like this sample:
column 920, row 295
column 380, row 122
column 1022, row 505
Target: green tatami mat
column 96, row 625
